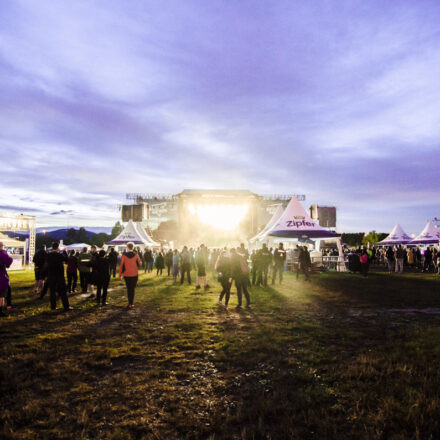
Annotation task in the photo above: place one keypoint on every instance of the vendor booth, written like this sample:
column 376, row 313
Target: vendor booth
column 429, row 235
column 396, row 236
column 135, row 233
column 295, row 222
column 16, row 250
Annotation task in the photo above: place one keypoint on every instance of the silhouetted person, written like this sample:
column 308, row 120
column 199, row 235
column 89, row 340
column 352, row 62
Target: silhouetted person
column 279, row 258
column 185, row 259
column 55, row 277
column 102, row 270
column 112, row 261
column 72, row 272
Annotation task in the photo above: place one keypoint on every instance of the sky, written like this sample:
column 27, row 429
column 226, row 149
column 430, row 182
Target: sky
column 337, row 100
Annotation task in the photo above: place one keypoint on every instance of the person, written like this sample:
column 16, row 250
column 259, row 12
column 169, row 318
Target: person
column 84, row 260
column 169, row 261
column 364, row 262
column 39, row 261
column 201, row 259
column 102, row 271
column 390, row 258
column 240, row 274
column 72, row 272
column 130, row 263
column 5, row 262
column 160, row 263
column 112, row 261
column 148, row 260
column 427, row 260
column 400, row 256
column 304, row 262
column 55, row 277
column 93, row 275
column 279, row 258
column 185, row 267
column 255, row 261
column 176, row 264
column 223, row 267
column 263, row 267
column 410, row 257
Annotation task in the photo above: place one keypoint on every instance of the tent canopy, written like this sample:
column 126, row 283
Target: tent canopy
column 134, row 233
column 295, row 222
column 11, row 242
column 396, row 236
column 274, row 219
column 429, row 235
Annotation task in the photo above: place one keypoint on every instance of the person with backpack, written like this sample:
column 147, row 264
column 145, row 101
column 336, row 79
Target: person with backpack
column 130, row 263
column 400, row 257
column 390, row 259
column 112, row 261
column 101, row 265
column 240, row 274
column 185, row 258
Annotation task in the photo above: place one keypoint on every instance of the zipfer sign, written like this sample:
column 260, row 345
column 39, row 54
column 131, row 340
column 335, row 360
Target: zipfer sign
column 298, row 222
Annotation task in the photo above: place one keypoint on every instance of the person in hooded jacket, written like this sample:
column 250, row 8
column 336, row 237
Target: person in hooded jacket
column 130, row 263
column 101, row 265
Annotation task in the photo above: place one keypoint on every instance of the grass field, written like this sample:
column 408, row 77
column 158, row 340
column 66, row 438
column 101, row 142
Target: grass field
column 340, row 357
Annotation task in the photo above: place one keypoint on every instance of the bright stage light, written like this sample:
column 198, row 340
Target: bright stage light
column 223, row 217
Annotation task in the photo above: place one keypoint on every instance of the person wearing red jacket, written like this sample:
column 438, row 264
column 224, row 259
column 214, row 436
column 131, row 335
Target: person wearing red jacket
column 130, row 263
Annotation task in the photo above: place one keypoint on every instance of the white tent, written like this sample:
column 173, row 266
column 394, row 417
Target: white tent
column 429, row 235
column 396, row 236
column 272, row 222
column 76, row 247
column 134, row 233
column 296, row 223
column 143, row 233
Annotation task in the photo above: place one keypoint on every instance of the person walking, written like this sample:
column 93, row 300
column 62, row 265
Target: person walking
column 223, row 267
column 185, row 258
column 201, row 261
column 112, row 261
column 240, row 274
column 279, row 258
column 160, row 263
column 169, row 261
column 255, row 261
column 55, row 277
column 5, row 262
column 84, row 262
column 72, row 272
column 102, row 271
column 176, row 264
column 130, row 263
column 427, row 260
column 304, row 262
column 410, row 258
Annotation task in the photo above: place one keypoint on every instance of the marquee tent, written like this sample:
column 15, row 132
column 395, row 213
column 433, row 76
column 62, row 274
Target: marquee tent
column 429, row 235
column 272, row 222
column 134, row 233
column 76, row 247
column 143, row 233
column 296, row 223
column 396, row 236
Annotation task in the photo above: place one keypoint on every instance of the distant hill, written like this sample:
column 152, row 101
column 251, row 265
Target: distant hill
column 59, row 233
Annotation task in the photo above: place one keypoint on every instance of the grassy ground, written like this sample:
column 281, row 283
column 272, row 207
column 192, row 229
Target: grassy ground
column 340, row 357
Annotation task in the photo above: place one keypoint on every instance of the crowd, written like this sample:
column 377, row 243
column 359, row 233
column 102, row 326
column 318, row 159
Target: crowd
column 60, row 272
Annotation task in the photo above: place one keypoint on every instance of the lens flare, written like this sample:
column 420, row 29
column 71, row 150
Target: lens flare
column 222, row 217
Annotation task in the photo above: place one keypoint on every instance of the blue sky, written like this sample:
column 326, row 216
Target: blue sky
column 339, row 100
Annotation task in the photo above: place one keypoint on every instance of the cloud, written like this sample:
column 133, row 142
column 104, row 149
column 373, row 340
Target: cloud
column 340, row 102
